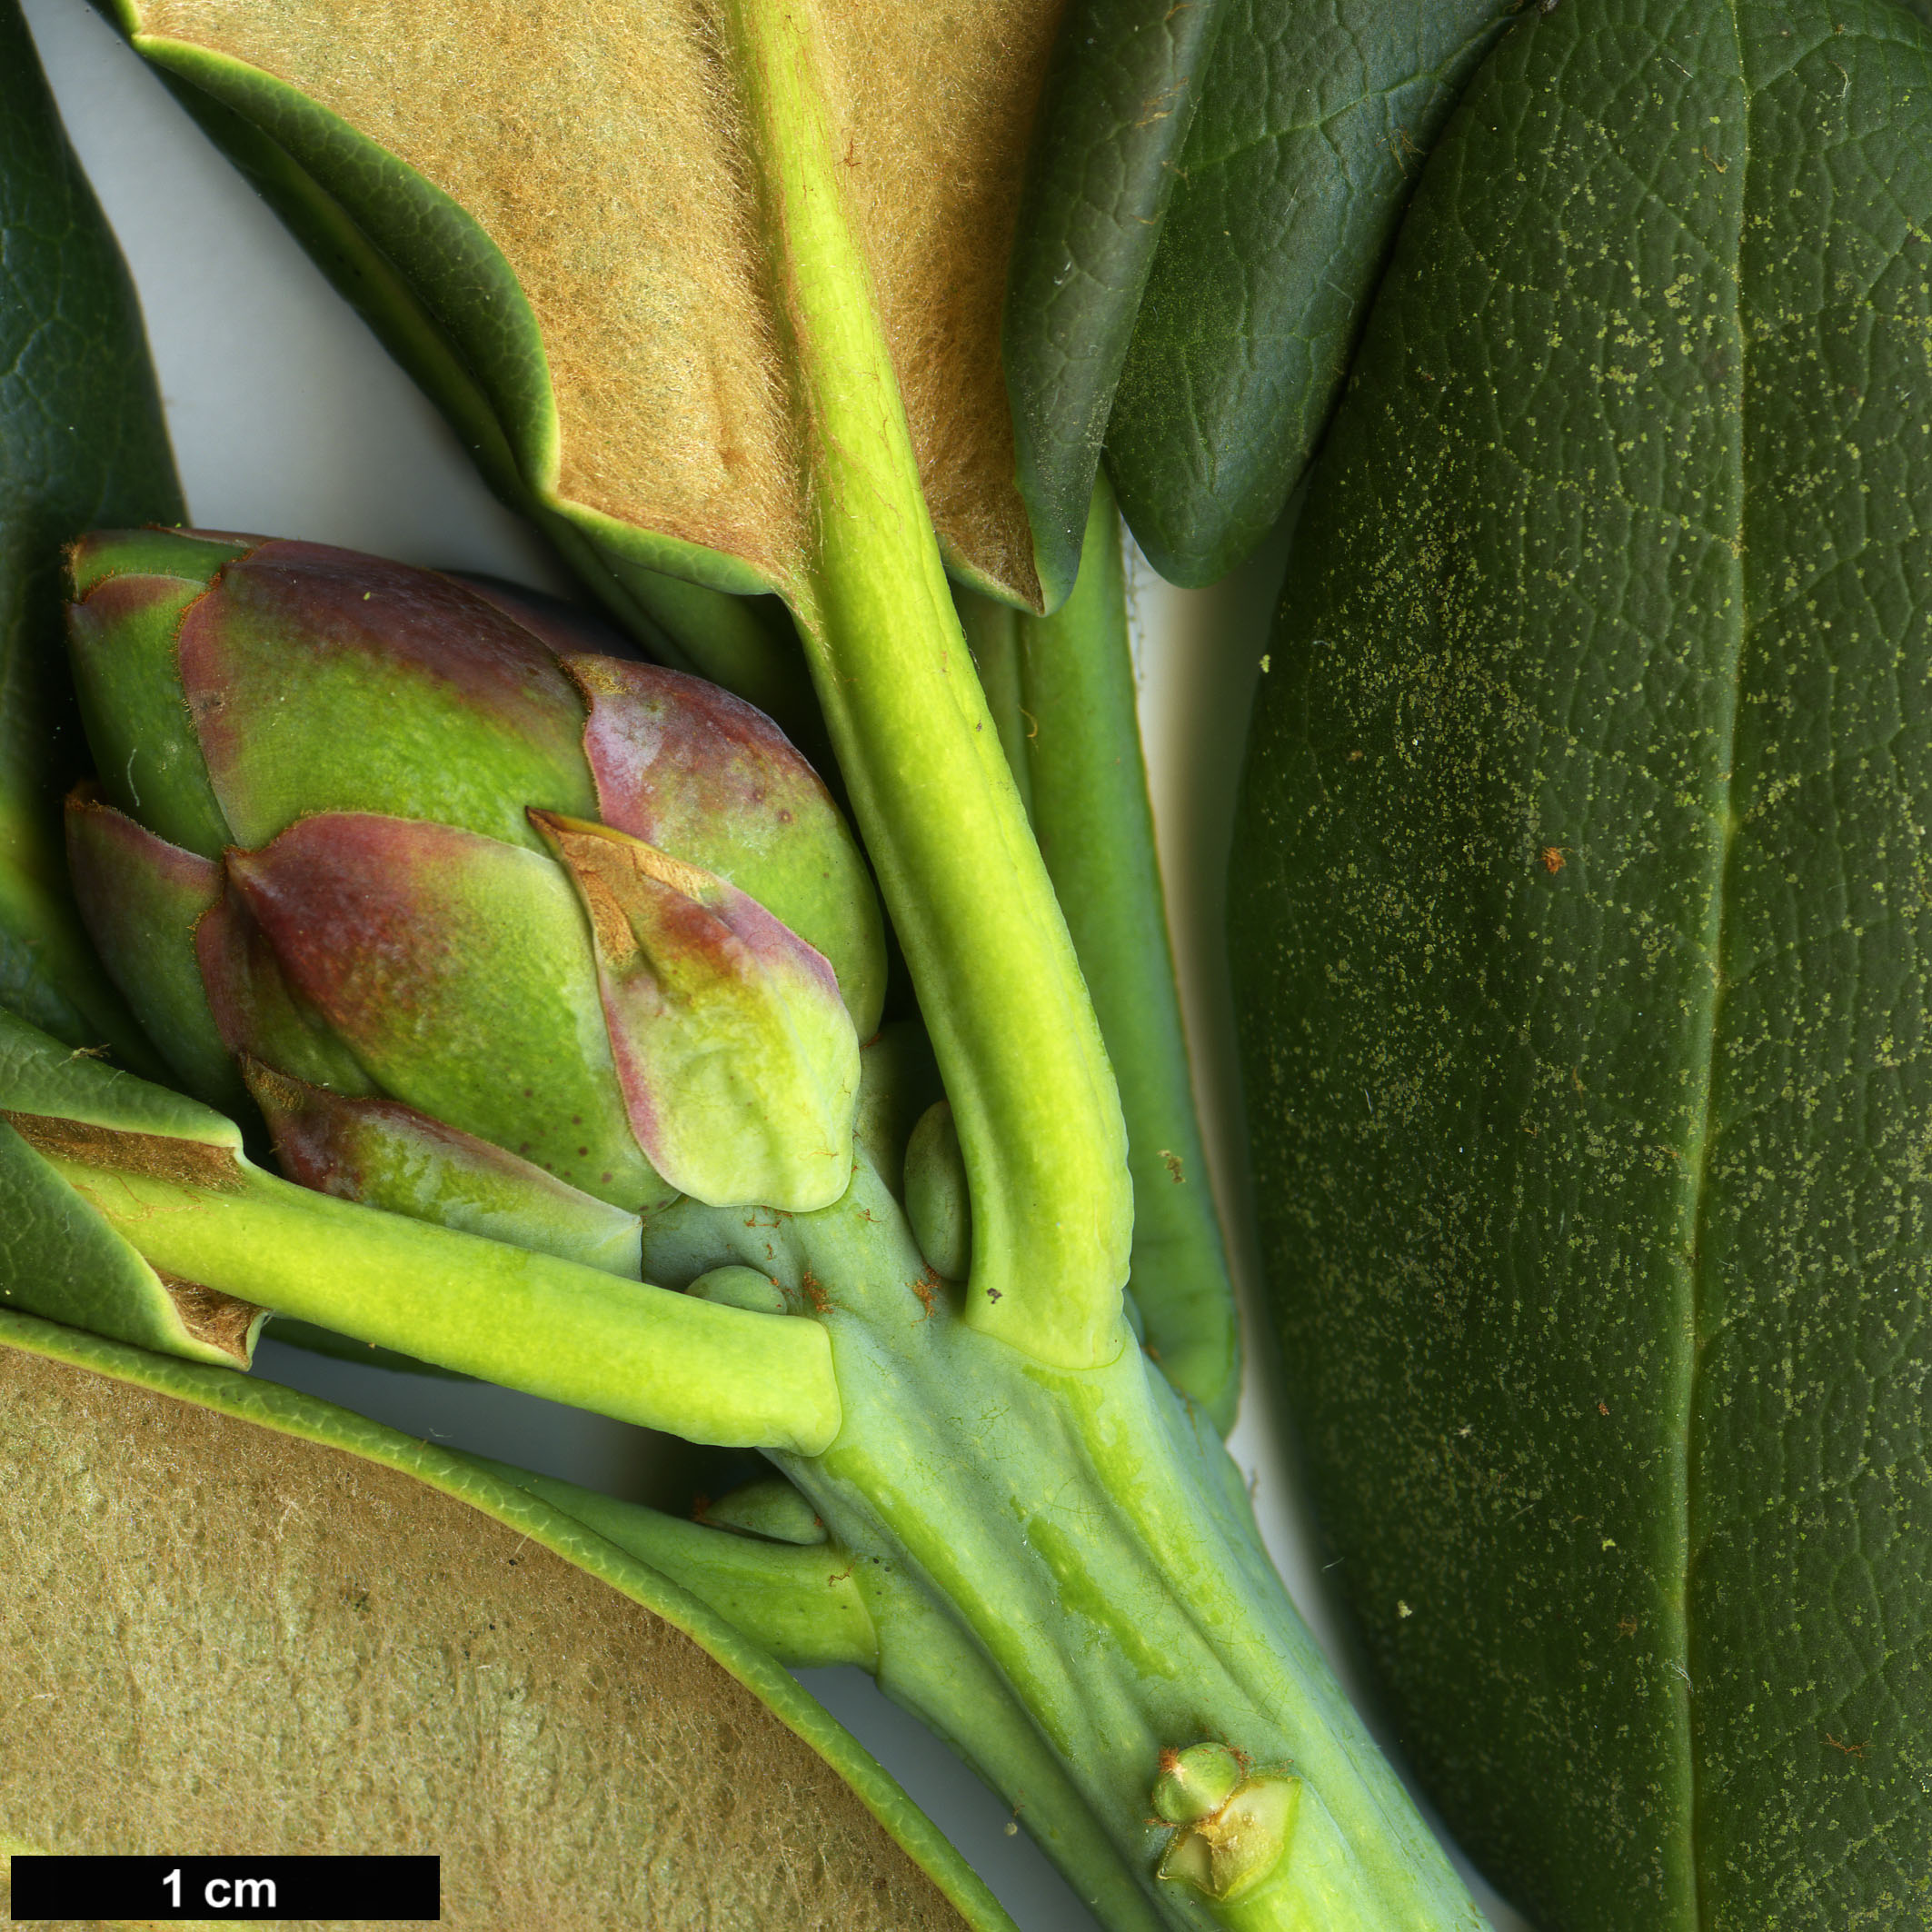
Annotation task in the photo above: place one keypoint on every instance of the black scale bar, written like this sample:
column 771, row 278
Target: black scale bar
column 215, row 1889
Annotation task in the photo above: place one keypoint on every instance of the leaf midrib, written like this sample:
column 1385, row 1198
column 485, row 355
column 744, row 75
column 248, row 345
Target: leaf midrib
column 1690, row 1328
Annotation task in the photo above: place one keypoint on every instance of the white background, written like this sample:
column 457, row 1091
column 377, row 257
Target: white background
column 289, row 420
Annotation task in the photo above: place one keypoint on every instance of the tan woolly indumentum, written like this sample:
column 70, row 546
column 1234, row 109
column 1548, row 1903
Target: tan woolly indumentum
column 599, row 145
column 216, row 1638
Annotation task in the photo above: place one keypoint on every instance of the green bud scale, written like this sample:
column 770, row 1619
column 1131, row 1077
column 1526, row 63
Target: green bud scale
column 483, row 909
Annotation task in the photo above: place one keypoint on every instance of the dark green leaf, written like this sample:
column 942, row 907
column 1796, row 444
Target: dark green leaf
column 1585, row 937
column 81, row 444
column 1211, row 195
column 1118, row 101
column 1314, row 120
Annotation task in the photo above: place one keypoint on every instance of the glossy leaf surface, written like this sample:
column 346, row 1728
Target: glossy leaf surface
column 1314, row 118
column 1586, row 960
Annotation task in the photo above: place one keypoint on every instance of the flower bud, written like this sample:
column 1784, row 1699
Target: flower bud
column 739, row 1286
column 451, row 972
column 739, row 1062
column 142, row 899
column 423, row 849
column 132, row 590
column 255, row 681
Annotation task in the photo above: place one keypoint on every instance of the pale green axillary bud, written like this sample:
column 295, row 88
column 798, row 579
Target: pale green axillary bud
column 1234, row 1827
column 741, row 1287
column 772, row 1510
column 1195, row 1782
column 937, row 1203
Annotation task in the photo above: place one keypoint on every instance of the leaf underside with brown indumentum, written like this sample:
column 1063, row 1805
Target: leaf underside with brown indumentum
column 601, row 149
column 592, row 1765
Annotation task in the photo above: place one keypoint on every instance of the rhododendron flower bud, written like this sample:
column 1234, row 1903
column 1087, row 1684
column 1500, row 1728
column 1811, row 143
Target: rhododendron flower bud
column 402, row 839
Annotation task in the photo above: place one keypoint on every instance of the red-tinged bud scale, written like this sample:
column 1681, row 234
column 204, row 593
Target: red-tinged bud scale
column 392, row 1157
column 739, row 1062
column 142, row 900
column 409, row 696
column 457, row 973
column 135, row 587
column 405, row 840
column 696, row 771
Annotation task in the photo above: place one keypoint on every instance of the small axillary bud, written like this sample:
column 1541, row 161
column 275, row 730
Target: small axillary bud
column 770, row 1510
column 1234, row 1825
column 938, row 1202
column 737, row 1287
column 1195, row 1784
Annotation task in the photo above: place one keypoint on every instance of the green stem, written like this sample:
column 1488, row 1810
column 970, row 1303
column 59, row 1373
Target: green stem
column 993, row 636
column 526, row 1320
column 819, row 1606
column 1062, row 691
column 997, row 981
column 935, row 1668
column 1086, row 1539
column 803, row 1604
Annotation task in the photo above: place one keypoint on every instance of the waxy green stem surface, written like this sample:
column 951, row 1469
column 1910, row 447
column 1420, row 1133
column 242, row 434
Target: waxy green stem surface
column 526, row 1320
column 1062, row 692
column 1084, row 1542
column 824, row 1605
column 998, row 983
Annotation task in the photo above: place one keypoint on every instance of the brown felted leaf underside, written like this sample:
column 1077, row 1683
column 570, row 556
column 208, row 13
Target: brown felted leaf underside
column 221, row 1320
column 599, row 145
column 217, row 1638
column 160, row 1157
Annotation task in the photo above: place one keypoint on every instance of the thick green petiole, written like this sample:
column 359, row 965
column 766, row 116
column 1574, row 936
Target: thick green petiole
column 998, row 981
column 803, row 1604
column 552, row 1327
column 1062, row 692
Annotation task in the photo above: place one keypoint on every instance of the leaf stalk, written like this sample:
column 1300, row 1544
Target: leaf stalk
column 997, row 980
column 526, row 1320
column 1062, row 692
